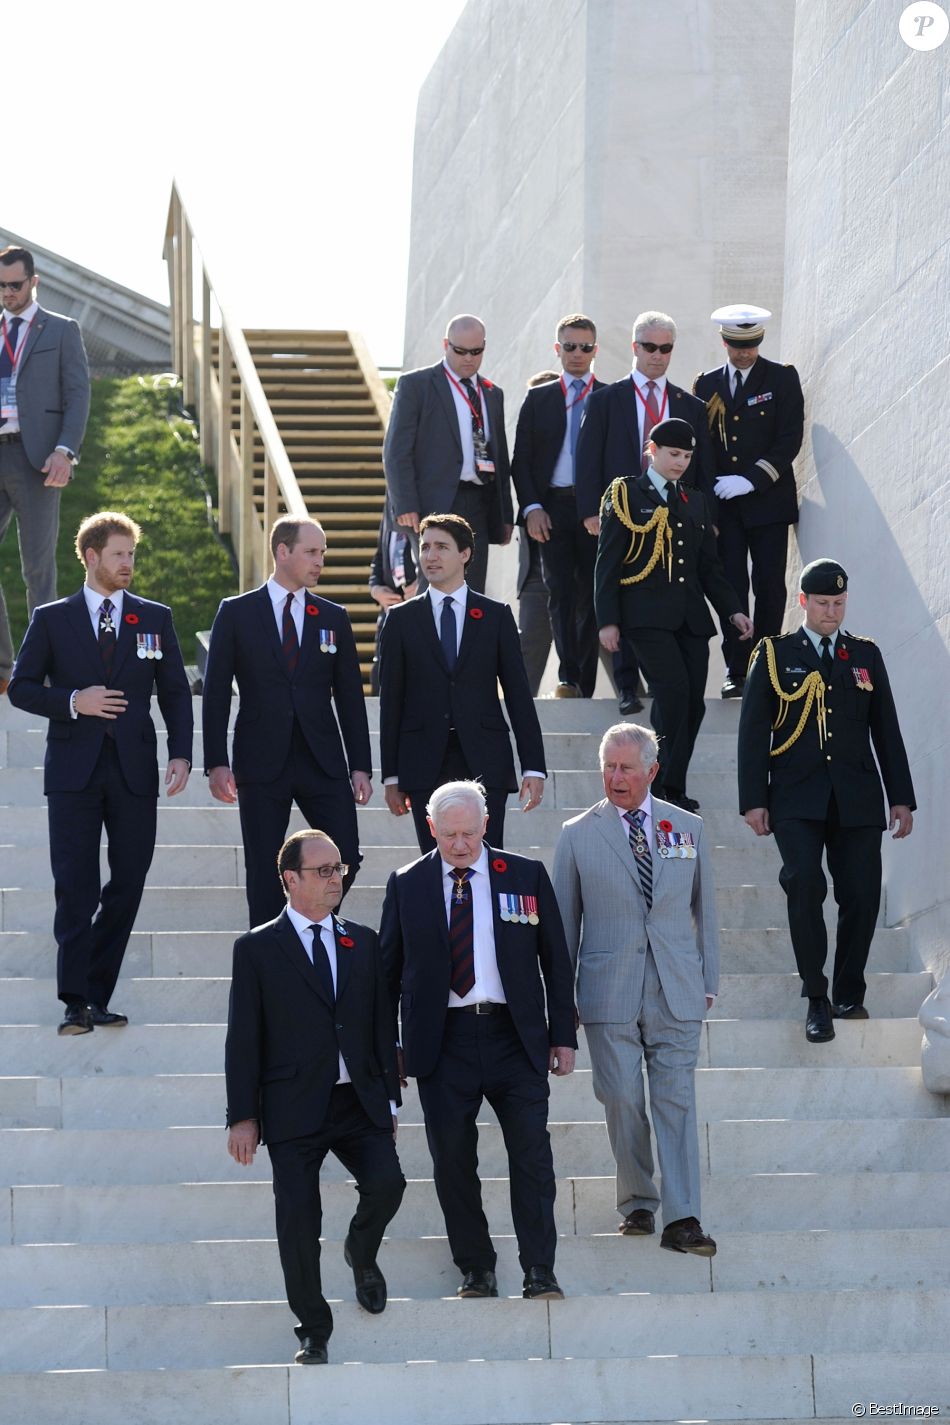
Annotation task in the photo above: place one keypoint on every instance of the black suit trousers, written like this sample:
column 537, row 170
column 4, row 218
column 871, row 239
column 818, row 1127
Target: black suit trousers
column 327, row 805
column 674, row 663
column 767, row 547
column 456, row 769
column 534, row 623
column 483, row 1057
column 854, row 861
column 369, row 1154
column 92, row 923
column 567, row 560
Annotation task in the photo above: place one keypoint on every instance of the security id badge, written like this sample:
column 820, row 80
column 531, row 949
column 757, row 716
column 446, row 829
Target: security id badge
column 8, row 408
column 484, row 465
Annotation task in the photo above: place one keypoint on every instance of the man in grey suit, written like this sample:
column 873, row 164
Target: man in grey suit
column 633, row 880
column 44, row 405
column 446, row 449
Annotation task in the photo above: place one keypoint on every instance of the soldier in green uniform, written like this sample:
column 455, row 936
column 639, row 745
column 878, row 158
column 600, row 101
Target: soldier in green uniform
column 656, row 567
column 814, row 702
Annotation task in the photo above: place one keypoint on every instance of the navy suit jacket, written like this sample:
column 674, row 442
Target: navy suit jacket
column 532, row 959
column 608, row 447
column 420, row 700
column 286, row 1032
column 539, row 438
column 52, row 387
column 246, row 646
column 422, row 453
column 60, row 646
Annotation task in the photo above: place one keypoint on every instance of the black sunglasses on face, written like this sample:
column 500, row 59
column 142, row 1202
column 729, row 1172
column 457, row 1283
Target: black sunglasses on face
column 651, row 346
column 14, row 286
column 585, row 346
column 466, row 350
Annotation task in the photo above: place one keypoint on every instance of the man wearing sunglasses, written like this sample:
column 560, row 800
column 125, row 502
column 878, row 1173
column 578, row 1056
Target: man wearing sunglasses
column 543, row 469
column 44, row 405
column 446, row 449
column 614, row 440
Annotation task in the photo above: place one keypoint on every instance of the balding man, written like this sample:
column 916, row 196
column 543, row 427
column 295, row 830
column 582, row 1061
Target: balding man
column 446, row 448
column 294, row 658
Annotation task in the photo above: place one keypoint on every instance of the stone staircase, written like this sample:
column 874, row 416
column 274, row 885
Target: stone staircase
column 139, row 1278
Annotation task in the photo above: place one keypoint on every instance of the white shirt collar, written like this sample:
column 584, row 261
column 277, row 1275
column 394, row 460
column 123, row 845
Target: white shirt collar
column 480, row 866
column 436, row 596
column 641, row 381
column 817, row 637
column 278, row 595
column 26, row 316
column 646, row 806
column 745, row 374
column 301, row 923
column 94, row 601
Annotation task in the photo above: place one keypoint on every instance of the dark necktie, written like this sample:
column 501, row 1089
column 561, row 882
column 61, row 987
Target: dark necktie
column 462, row 934
column 291, row 643
column 668, row 492
column 12, row 331
column 107, row 636
column 737, row 389
column 448, row 634
column 577, row 410
column 651, row 418
column 321, row 962
column 471, row 391
column 827, row 662
column 641, row 853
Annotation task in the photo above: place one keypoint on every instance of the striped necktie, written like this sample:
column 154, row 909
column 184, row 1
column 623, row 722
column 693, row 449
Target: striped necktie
column 462, row 934
column 291, row 644
column 641, row 852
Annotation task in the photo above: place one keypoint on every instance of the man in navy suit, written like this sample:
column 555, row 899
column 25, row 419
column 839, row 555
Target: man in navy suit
column 44, row 405
column 613, row 441
column 310, row 1066
column 442, row 656
column 446, row 447
column 294, row 657
column 543, row 471
column 473, row 946
column 90, row 664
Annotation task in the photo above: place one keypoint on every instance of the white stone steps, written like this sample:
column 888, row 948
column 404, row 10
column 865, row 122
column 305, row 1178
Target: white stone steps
column 209, row 1270
column 744, row 907
column 179, row 1099
column 155, row 1000
column 200, row 953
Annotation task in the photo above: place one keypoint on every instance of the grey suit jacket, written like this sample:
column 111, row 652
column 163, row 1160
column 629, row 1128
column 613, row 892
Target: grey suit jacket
column 608, row 926
column 52, row 387
column 422, row 453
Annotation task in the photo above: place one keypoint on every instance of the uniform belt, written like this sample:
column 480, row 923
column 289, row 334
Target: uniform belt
column 562, row 490
column 484, row 1006
column 6, row 437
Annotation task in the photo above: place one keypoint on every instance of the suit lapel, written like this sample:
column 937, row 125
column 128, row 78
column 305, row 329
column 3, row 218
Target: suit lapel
column 311, row 629
column 422, row 613
column 37, row 325
column 646, row 485
column 471, row 627
column 78, row 616
column 268, row 625
column 609, row 825
column 628, row 404
column 435, row 896
column 290, row 944
column 554, row 396
column 344, row 957
column 444, row 395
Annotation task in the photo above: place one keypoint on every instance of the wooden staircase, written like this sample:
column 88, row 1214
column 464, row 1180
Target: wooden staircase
column 328, row 417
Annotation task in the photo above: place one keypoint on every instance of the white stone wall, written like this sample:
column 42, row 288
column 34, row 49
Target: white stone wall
column 867, row 299
column 604, row 156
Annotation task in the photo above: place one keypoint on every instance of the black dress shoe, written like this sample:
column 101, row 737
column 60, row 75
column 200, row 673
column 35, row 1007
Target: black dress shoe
column 76, row 1020
column 540, row 1284
column 100, row 1016
column 678, row 799
column 690, row 803
column 686, row 1235
column 731, row 687
column 638, row 1223
column 481, row 1281
column 849, row 1011
column 369, row 1282
column 629, row 703
column 818, row 1026
column 313, row 1351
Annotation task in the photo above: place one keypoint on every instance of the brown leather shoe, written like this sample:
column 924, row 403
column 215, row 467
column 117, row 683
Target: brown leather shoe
column 638, row 1223
column 686, row 1235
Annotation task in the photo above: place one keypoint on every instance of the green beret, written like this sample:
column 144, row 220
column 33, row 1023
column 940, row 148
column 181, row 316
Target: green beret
column 824, row 576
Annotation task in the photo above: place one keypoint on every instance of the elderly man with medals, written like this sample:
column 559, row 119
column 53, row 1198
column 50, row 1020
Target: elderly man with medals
column 815, row 701
column 656, row 567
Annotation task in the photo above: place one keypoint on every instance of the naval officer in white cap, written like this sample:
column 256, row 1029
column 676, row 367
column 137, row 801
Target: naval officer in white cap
column 755, row 412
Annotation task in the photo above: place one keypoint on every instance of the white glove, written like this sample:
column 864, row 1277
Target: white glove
column 727, row 487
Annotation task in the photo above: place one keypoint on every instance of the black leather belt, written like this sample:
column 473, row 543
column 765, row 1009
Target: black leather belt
column 484, row 1007
column 562, row 490
column 10, row 435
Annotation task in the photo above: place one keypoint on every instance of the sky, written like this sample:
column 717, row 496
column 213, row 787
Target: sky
column 289, row 126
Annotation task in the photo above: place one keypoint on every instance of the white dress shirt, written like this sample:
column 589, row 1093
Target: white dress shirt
column 278, row 598
column 640, row 381
column 459, row 599
column 734, row 372
column 464, row 412
column 12, row 421
column 488, row 986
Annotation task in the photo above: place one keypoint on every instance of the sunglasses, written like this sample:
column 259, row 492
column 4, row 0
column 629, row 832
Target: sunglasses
column 466, row 350
column 651, row 346
column 14, row 286
column 585, row 346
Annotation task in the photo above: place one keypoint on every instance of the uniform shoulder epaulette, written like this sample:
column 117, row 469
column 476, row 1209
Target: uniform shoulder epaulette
column 858, row 637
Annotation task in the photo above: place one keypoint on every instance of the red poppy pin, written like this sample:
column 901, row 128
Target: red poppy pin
column 843, row 653
column 476, row 613
column 665, row 825
column 499, row 864
column 131, row 618
column 347, row 941
column 312, row 610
